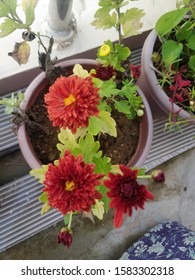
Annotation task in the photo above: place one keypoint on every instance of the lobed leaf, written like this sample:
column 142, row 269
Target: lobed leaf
column 39, row 173
column 131, row 21
column 122, row 106
column 102, row 165
column 8, row 26
column 89, row 147
column 29, row 10
column 108, row 124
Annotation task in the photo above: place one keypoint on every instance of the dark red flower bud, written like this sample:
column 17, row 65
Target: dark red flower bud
column 135, row 71
column 158, row 175
column 104, row 73
column 65, row 237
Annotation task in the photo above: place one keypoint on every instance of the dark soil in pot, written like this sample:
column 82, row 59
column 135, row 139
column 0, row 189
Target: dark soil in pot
column 43, row 136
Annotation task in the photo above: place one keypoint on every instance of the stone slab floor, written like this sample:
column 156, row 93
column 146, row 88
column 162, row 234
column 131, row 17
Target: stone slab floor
column 174, row 200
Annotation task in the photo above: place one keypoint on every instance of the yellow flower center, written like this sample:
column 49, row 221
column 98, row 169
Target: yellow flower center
column 104, row 50
column 69, row 186
column 69, row 100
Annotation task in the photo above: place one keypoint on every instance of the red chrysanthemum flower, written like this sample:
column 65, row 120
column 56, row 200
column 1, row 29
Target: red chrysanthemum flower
column 70, row 185
column 71, row 101
column 135, row 71
column 126, row 193
column 104, row 73
column 65, row 237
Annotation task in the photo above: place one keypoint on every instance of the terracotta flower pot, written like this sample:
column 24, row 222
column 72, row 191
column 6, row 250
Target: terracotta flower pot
column 39, row 83
column 149, row 79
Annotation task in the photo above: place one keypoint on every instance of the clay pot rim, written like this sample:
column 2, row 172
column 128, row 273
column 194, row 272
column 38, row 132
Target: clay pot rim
column 146, row 130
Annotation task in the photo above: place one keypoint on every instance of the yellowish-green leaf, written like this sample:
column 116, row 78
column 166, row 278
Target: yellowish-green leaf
column 4, row 9
column 43, row 197
column 79, row 71
column 116, row 169
column 45, row 208
column 39, row 173
column 98, row 209
column 67, row 139
column 29, row 10
column 105, row 20
column 12, row 5
column 108, row 124
column 94, row 125
column 9, row 26
column 131, row 21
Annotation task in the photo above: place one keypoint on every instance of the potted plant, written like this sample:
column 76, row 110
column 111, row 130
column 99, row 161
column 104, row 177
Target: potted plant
column 82, row 102
column 168, row 63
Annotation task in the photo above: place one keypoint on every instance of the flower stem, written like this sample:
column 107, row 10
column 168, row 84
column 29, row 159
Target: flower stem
column 119, row 25
column 144, row 176
column 70, row 221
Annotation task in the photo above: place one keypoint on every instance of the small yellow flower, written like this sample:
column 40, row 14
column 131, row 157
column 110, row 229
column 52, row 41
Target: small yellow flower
column 104, row 50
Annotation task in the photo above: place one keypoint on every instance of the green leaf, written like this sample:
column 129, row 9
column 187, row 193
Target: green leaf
column 103, row 17
column 94, row 125
column 184, row 32
column 43, row 197
column 68, row 140
column 191, row 42
column 122, row 106
column 105, row 199
column 171, row 52
column 192, row 62
column 131, row 21
column 108, row 124
column 29, row 10
column 104, row 20
column 122, row 52
column 169, row 20
column 4, row 9
column 12, row 5
column 108, row 89
column 67, row 218
column 8, row 7
column 12, row 103
column 102, row 165
column 132, row 113
column 142, row 171
column 39, row 173
column 89, row 147
column 9, row 26
column 45, row 208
